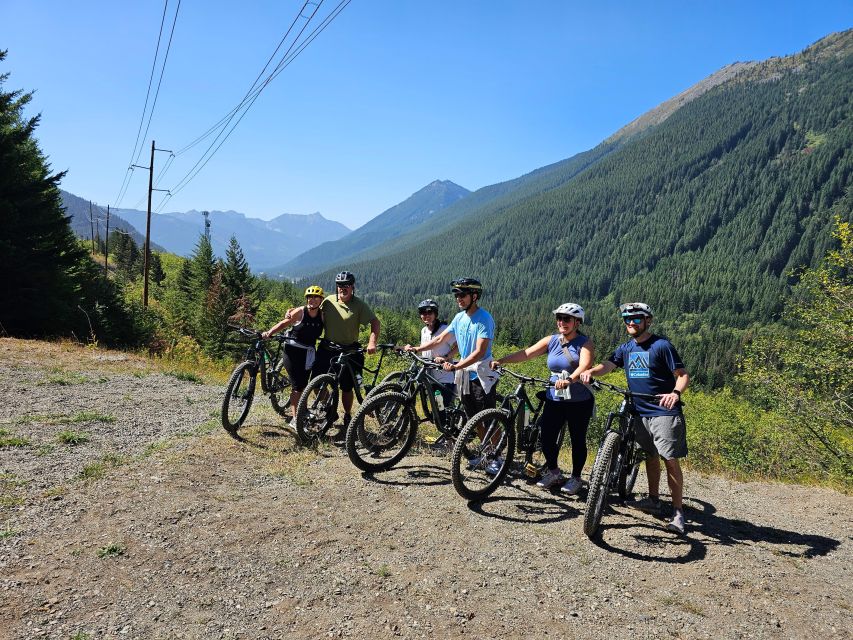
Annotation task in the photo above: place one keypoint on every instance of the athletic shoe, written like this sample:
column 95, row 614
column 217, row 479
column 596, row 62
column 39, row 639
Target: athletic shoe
column 676, row 525
column 550, row 478
column 648, row 505
column 494, row 467
column 473, row 463
column 572, row 486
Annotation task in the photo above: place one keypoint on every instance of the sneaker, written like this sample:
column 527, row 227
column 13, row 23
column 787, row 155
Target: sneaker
column 572, row 486
column 495, row 466
column 648, row 505
column 676, row 525
column 473, row 463
column 550, row 478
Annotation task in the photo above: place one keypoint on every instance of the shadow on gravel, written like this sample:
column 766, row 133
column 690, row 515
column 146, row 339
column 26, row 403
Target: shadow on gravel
column 529, row 508
column 416, row 476
column 705, row 528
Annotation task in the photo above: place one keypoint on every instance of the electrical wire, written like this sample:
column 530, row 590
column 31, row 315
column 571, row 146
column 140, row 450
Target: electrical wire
column 289, row 56
column 124, row 185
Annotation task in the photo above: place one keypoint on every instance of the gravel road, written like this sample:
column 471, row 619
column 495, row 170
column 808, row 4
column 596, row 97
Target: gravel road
column 157, row 524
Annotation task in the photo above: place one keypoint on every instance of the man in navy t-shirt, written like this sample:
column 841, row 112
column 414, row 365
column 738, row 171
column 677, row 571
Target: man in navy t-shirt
column 653, row 366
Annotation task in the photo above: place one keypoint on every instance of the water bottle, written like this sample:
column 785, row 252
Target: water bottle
column 439, row 400
column 527, row 410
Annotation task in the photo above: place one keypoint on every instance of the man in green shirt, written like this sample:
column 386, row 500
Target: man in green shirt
column 343, row 315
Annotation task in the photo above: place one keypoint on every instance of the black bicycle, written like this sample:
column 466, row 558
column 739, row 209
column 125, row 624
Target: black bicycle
column 317, row 408
column 486, row 446
column 384, row 428
column 263, row 358
column 617, row 462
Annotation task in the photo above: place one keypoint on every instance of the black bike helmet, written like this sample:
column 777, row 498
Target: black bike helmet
column 466, row 285
column 344, row 277
column 428, row 305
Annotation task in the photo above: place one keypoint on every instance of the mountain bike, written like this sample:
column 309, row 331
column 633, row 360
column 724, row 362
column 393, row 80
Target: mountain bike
column 617, row 462
column 316, row 410
column 485, row 448
column 263, row 358
column 383, row 430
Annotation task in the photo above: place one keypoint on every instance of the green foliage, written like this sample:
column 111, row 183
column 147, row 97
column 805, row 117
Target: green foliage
column 704, row 216
column 802, row 368
column 72, row 437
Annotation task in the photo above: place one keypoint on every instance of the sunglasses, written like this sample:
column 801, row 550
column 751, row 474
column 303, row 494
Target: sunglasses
column 562, row 318
column 344, row 286
column 634, row 320
column 461, row 295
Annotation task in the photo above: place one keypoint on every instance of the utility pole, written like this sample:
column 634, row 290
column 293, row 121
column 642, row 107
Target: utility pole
column 107, row 245
column 151, row 189
column 92, row 227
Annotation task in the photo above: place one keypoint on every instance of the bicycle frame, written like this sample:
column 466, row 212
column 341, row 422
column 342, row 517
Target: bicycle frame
column 417, row 383
column 343, row 362
column 264, row 357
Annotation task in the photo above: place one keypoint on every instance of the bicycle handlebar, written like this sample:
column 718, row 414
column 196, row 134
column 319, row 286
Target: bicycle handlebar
column 524, row 378
column 598, row 384
column 430, row 364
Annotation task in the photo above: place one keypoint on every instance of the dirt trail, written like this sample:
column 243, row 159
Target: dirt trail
column 191, row 534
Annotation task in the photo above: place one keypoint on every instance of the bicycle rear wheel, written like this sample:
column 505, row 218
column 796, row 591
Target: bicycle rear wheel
column 381, row 432
column 599, row 480
column 482, row 454
column 317, row 408
column 238, row 397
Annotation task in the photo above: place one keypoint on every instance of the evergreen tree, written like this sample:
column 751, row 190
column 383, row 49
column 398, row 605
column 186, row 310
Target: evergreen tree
column 804, row 370
column 202, row 267
column 155, row 271
column 236, row 276
column 50, row 285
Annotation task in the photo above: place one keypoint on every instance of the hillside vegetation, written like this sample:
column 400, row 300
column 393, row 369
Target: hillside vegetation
column 705, row 216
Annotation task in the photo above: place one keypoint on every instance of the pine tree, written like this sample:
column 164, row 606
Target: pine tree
column 49, row 285
column 236, row 276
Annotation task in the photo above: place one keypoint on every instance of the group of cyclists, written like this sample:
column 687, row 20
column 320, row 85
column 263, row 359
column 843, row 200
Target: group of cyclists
column 651, row 364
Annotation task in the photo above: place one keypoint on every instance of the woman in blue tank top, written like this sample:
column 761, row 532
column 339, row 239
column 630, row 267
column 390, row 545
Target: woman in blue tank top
column 569, row 401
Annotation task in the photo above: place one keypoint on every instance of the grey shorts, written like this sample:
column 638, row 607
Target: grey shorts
column 664, row 435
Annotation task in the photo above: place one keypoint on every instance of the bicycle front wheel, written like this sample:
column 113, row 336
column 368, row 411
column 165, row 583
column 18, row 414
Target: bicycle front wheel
column 599, row 479
column 317, row 408
column 238, row 397
column 381, row 432
column 482, row 454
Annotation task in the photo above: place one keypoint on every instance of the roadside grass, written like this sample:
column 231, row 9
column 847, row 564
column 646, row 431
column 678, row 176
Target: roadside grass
column 72, row 438
column 56, row 419
column 97, row 470
column 186, row 376
column 112, row 550
column 60, row 376
column 9, row 439
column 8, row 532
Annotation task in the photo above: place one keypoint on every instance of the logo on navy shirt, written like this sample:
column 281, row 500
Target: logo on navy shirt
column 638, row 364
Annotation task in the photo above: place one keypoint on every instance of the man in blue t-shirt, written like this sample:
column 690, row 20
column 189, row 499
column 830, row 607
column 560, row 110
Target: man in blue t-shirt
column 474, row 330
column 653, row 366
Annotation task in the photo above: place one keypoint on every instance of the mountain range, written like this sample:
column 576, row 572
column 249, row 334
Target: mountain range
column 704, row 207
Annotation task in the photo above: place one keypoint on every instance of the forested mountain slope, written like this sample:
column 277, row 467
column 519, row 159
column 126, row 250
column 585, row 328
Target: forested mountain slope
column 704, row 216
column 82, row 226
column 419, row 208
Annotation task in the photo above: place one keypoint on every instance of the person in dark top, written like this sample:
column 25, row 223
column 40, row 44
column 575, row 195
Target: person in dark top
column 306, row 326
column 569, row 354
column 653, row 366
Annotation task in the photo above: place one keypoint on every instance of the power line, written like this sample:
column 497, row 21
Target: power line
column 126, row 181
column 136, row 144
column 289, row 56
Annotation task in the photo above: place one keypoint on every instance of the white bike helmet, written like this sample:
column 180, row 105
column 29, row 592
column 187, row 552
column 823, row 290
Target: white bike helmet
column 635, row 309
column 570, row 309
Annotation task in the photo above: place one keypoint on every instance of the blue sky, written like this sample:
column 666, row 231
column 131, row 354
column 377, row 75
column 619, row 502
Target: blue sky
column 392, row 95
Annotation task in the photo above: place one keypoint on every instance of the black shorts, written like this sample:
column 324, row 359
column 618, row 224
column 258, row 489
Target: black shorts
column 294, row 362
column 477, row 399
column 323, row 362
